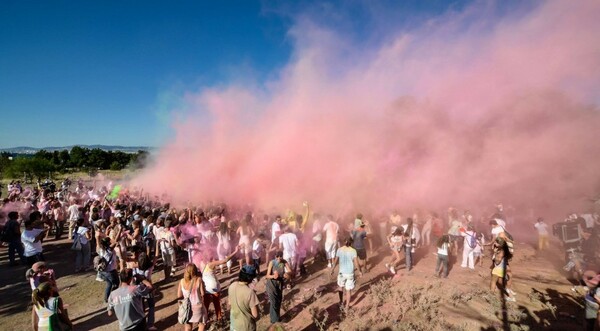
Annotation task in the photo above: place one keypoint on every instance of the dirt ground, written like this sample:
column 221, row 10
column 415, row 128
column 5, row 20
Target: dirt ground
column 411, row 301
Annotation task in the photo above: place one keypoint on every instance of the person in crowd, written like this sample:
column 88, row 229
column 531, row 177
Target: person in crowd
column 107, row 257
column 500, row 269
column 275, row 233
column 359, row 236
column 258, row 250
column 142, row 266
column 212, row 286
column 469, row 245
column 245, row 233
column 426, row 230
column 331, row 229
column 39, row 273
column 244, row 301
column 454, row 232
column 288, row 243
column 443, row 249
column 12, row 229
column 277, row 271
column 396, row 242
column 82, row 236
column 192, row 287
column 224, row 245
column 167, row 243
column 126, row 302
column 542, row 229
column 346, row 280
column 46, row 303
column 74, row 214
column 32, row 242
column 411, row 240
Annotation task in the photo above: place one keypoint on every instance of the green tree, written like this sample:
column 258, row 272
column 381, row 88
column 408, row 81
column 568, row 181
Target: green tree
column 65, row 159
column 79, row 156
column 98, row 158
column 43, row 154
column 30, row 167
column 115, row 166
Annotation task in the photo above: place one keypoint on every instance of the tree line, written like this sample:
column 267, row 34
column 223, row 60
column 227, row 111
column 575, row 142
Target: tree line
column 43, row 162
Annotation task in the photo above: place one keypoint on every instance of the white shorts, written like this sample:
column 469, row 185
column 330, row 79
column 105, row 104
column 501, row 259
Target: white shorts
column 330, row 249
column 346, row 281
column 291, row 259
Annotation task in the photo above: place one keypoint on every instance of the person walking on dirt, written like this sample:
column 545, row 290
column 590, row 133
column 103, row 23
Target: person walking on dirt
column 32, row 242
column 126, row 302
column 346, row 280
column 331, row 230
column 359, row 235
column 12, row 231
column 277, row 270
column 243, row 300
column 542, row 229
column 396, row 242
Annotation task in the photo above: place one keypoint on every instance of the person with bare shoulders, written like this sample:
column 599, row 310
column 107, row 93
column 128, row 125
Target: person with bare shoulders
column 192, row 287
column 245, row 234
column 277, row 271
column 212, row 286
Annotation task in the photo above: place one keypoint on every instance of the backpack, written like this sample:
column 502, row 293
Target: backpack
column 100, row 262
column 472, row 240
column 184, row 313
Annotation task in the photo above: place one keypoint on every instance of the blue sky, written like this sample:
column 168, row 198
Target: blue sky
column 105, row 72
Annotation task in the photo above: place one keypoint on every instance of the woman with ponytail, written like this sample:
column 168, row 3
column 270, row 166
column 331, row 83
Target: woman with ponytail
column 48, row 312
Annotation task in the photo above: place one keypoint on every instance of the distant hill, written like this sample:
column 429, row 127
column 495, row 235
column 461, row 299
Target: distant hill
column 33, row 150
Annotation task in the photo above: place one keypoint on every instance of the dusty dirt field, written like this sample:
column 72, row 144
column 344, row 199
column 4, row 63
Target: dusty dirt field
column 412, row 301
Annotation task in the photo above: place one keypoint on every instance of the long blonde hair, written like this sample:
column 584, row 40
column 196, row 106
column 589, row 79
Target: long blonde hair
column 191, row 272
column 41, row 294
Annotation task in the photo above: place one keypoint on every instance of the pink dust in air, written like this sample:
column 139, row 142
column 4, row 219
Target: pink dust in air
column 457, row 112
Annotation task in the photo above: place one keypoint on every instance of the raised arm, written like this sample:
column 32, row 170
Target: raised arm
column 305, row 216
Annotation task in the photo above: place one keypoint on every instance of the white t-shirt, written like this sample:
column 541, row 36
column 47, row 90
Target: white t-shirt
column 31, row 246
column 496, row 231
column 166, row 246
column 500, row 222
column 81, row 231
column 443, row 250
column 274, row 229
column 331, row 231
column 73, row 212
column 257, row 249
column 542, row 228
column 289, row 242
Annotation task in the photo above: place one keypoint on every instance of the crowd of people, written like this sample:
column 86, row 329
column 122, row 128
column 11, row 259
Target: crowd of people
column 126, row 236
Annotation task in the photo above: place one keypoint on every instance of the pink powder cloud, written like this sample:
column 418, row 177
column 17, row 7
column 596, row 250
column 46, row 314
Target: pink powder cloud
column 436, row 116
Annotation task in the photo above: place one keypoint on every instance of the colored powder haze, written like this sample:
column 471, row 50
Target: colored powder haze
column 462, row 111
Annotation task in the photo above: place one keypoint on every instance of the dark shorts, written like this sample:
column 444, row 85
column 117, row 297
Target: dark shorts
column 361, row 253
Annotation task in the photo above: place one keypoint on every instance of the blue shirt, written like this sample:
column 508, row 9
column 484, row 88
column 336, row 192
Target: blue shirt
column 346, row 256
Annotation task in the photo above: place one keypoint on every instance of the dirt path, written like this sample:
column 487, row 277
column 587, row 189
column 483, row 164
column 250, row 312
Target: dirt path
column 412, row 301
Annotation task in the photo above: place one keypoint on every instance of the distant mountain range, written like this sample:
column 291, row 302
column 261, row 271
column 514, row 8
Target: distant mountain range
column 33, row 150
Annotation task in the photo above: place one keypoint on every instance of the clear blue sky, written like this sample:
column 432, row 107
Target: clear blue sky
column 99, row 72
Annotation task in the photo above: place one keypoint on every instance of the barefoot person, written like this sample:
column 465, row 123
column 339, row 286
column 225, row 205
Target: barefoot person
column 346, row 281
